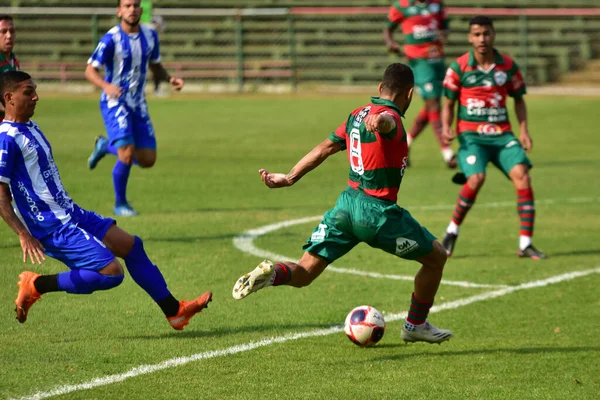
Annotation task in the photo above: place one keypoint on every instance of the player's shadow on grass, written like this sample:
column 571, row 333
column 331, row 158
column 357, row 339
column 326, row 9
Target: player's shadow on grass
column 442, row 353
column 574, row 253
column 191, row 239
column 273, row 331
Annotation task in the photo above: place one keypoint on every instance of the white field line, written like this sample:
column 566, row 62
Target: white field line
column 245, row 241
column 178, row 361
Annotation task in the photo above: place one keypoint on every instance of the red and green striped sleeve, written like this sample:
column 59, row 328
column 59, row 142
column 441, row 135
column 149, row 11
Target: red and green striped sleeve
column 395, row 17
column 340, row 135
column 516, row 86
column 452, row 83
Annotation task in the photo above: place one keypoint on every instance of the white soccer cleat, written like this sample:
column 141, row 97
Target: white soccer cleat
column 254, row 280
column 425, row 333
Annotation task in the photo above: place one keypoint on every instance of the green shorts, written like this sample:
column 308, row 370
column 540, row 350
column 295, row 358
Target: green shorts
column 504, row 151
column 429, row 76
column 381, row 224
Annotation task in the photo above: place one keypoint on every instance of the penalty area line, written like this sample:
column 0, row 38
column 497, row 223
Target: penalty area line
column 179, row 361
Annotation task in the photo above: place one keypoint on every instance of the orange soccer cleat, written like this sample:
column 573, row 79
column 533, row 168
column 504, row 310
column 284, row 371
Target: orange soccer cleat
column 27, row 294
column 187, row 309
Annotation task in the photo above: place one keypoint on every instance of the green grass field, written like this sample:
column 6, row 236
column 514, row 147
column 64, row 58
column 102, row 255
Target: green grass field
column 514, row 341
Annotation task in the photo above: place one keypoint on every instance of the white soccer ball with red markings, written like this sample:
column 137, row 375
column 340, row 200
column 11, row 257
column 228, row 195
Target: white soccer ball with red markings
column 364, row 326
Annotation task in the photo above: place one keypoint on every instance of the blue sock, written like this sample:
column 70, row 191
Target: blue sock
column 145, row 273
column 120, row 178
column 84, row 281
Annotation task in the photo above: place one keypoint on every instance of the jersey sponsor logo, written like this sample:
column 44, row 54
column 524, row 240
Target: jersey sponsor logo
column 319, row 234
column 471, row 80
column 500, row 78
column 494, row 113
column 487, row 82
column 425, row 31
column 35, row 211
column 511, row 144
column 404, row 245
column 489, row 129
column 450, row 80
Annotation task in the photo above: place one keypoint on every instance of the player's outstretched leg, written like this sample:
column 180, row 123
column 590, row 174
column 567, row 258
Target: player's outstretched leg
column 147, row 275
column 416, row 327
column 287, row 273
column 100, row 150
column 76, row 281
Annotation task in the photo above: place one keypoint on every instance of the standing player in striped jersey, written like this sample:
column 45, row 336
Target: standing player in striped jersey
column 8, row 60
column 425, row 27
column 126, row 52
column 366, row 211
column 480, row 80
column 48, row 222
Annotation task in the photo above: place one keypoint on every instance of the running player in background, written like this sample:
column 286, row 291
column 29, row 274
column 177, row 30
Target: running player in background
column 8, row 60
column 366, row 211
column 126, row 52
column 49, row 223
column 480, row 80
column 425, row 27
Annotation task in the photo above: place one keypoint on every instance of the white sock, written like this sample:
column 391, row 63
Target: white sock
column 447, row 154
column 408, row 326
column 524, row 241
column 452, row 228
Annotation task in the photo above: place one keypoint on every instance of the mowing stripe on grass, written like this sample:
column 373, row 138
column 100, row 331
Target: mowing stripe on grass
column 245, row 241
column 178, row 361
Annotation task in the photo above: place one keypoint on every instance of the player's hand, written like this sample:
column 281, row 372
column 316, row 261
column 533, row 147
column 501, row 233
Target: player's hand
column 274, row 180
column 32, row 248
column 448, row 136
column 526, row 141
column 176, row 83
column 393, row 47
column 112, row 91
column 375, row 122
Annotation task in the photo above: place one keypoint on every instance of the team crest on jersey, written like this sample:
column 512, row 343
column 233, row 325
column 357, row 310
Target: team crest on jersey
column 500, row 78
column 434, row 8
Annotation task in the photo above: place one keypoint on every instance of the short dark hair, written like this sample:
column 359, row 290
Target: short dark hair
column 6, row 17
column 398, row 78
column 481, row 20
column 9, row 82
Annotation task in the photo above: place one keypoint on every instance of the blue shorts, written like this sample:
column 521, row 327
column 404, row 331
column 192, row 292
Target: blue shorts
column 125, row 126
column 78, row 244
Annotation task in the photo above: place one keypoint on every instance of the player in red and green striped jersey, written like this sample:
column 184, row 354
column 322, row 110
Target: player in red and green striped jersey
column 8, row 60
column 480, row 81
column 366, row 211
column 425, row 27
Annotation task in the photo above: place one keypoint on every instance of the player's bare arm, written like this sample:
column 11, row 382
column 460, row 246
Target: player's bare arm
column 97, row 80
column 448, row 119
column 521, row 111
column 382, row 123
column 30, row 245
column 159, row 71
column 309, row 162
column 390, row 43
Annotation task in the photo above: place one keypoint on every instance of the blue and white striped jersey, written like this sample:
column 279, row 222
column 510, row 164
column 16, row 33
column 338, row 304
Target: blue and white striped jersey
column 27, row 166
column 125, row 59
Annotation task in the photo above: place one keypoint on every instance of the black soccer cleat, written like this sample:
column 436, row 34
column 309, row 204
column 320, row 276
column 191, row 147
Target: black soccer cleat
column 448, row 242
column 531, row 252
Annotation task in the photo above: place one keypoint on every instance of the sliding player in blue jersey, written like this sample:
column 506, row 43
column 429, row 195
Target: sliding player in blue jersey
column 49, row 223
column 126, row 52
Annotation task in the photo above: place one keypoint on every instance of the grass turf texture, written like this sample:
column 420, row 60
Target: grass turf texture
column 205, row 189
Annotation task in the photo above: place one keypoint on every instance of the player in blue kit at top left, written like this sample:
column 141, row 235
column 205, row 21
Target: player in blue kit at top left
column 126, row 52
column 49, row 223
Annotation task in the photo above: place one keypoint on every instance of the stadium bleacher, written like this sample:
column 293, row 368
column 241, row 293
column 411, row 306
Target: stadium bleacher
column 339, row 49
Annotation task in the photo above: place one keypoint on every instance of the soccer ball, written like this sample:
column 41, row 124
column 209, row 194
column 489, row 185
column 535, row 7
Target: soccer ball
column 364, row 326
